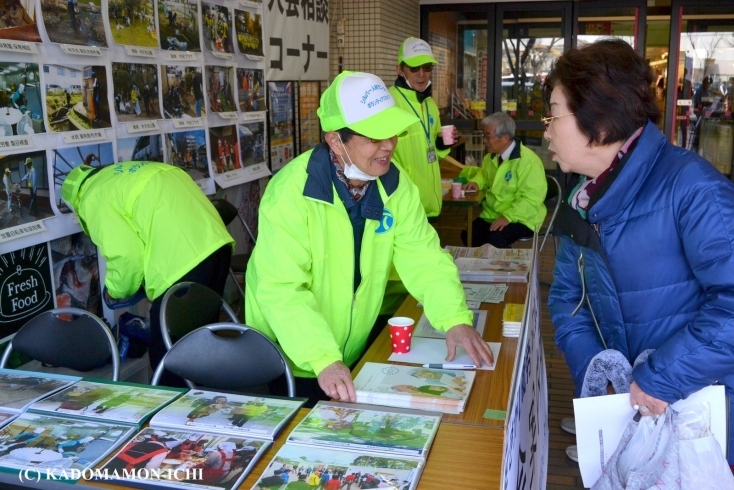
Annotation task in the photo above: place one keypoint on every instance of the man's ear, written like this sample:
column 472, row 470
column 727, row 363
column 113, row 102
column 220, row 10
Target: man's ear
column 399, row 71
column 332, row 139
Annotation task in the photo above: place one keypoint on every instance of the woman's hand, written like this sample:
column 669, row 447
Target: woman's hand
column 644, row 403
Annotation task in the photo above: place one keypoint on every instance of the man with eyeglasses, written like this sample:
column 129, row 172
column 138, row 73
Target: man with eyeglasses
column 514, row 180
column 332, row 223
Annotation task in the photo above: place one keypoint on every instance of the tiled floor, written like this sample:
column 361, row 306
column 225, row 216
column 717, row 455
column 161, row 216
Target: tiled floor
column 563, row 474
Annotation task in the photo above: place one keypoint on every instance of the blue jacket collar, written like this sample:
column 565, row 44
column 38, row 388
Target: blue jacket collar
column 321, row 175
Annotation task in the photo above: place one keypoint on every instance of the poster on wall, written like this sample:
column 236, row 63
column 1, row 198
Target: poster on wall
column 146, row 148
column 298, row 42
column 179, row 95
column 76, row 97
column 25, row 287
column 76, row 273
column 65, row 159
column 309, row 129
column 19, row 21
column 224, row 155
column 133, row 23
column 21, row 110
column 74, row 22
column 187, row 150
column 249, row 29
column 25, row 189
column 220, row 88
column 252, row 143
column 282, row 145
column 178, row 25
column 251, row 91
column 136, row 91
column 217, row 25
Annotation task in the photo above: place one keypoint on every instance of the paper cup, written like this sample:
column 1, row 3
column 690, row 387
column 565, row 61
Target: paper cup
column 401, row 334
column 447, row 134
column 456, row 190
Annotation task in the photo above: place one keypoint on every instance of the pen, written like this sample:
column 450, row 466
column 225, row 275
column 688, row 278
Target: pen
column 450, row 366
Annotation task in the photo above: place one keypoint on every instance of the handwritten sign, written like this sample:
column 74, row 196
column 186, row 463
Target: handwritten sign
column 18, row 47
column 144, row 52
column 179, row 56
column 193, row 122
column 84, row 136
column 81, row 50
column 254, row 116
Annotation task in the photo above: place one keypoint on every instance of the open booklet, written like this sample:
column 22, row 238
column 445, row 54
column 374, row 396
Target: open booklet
column 392, row 385
column 69, row 432
column 367, row 446
column 204, row 439
column 490, row 264
column 19, row 389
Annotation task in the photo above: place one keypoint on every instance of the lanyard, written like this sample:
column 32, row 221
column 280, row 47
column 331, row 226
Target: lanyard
column 420, row 118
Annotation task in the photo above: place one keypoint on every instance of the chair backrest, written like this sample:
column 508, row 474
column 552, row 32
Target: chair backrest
column 82, row 342
column 187, row 306
column 242, row 359
column 228, row 212
column 554, row 192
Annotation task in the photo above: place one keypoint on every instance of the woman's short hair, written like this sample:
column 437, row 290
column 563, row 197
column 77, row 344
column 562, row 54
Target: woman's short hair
column 503, row 124
column 608, row 87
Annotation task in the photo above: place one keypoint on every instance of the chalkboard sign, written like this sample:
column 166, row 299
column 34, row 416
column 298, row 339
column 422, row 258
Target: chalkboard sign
column 26, row 287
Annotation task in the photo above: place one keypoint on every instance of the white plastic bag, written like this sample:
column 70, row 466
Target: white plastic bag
column 646, row 457
column 702, row 462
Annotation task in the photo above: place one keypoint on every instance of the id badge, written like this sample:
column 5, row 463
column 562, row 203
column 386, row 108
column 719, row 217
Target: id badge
column 431, row 155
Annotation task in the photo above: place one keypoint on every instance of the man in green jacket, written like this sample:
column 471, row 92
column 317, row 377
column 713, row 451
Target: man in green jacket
column 154, row 227
column 514, row 180
column 420, row 147
column 332, row 223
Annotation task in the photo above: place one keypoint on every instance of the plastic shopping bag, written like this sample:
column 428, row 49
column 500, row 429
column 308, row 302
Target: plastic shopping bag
column 646, row 457
column 702, row 462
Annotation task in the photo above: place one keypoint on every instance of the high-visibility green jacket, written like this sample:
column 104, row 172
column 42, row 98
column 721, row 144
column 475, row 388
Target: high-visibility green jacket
column 300, row 279
column 411, row 153
column 515, row 190
column 151, row 223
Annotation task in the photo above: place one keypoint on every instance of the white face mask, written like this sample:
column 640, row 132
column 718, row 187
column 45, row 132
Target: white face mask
column 407, row 82
column 351, row 171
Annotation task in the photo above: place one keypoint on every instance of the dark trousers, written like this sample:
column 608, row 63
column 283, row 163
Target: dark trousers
column 211, row 272
column 503, row 238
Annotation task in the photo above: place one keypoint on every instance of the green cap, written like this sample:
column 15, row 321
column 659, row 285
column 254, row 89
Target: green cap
column 415, row 52
column 362, row 103
column 72, row 184
column 28, row 160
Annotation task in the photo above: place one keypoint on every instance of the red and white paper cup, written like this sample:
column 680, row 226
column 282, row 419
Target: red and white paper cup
column 401, row 333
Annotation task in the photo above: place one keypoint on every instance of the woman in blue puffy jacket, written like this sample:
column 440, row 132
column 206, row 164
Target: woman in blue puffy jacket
column 647, row 250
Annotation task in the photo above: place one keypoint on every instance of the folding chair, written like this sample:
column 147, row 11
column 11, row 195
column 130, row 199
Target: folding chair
column 242, row 359
column 553, row 194
column 187, row 306
column 238, row 265
column 82, row 343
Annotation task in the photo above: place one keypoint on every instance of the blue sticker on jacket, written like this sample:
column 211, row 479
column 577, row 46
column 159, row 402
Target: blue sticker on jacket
column 386, row 223
column 508, row 176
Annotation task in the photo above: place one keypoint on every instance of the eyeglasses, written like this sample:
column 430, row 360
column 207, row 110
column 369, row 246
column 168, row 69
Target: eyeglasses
column 354, row 133
column 486, row 136
column 427, row 68
column 548, row 120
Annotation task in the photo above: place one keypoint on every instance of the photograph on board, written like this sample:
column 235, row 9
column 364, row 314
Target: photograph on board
column 309, row 127
column 178, row 25
column 187, row 150
column 18, row 21
column 76, row 273
column 251, row 89
column 182, row 93
column 20, row 99
column 74, row 22
column 25, row 189
column 282, row 133
column 249, row 29
column 145, row 148
column 224, row 152
column 220, row 88
column 136, row 91
column 132, row 23
column 252, row 143
column 217, row 25
column 66, row 159
column 76, row 97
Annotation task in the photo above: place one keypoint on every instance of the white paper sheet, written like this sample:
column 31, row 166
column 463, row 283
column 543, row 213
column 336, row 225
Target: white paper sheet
column 601, row 420
column 433, row 351
column 424, row 328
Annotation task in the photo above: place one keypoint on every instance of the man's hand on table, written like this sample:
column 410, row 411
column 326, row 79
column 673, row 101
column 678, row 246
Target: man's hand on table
column 470, row 187
column 465, row 336
column 336, row 381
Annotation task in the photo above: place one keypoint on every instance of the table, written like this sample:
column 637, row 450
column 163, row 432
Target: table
column 468, row 203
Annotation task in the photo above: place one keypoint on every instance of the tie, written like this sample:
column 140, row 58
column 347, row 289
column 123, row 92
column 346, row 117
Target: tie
column 500, row 159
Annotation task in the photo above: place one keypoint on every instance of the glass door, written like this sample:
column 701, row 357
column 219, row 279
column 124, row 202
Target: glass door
column 703, row 90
